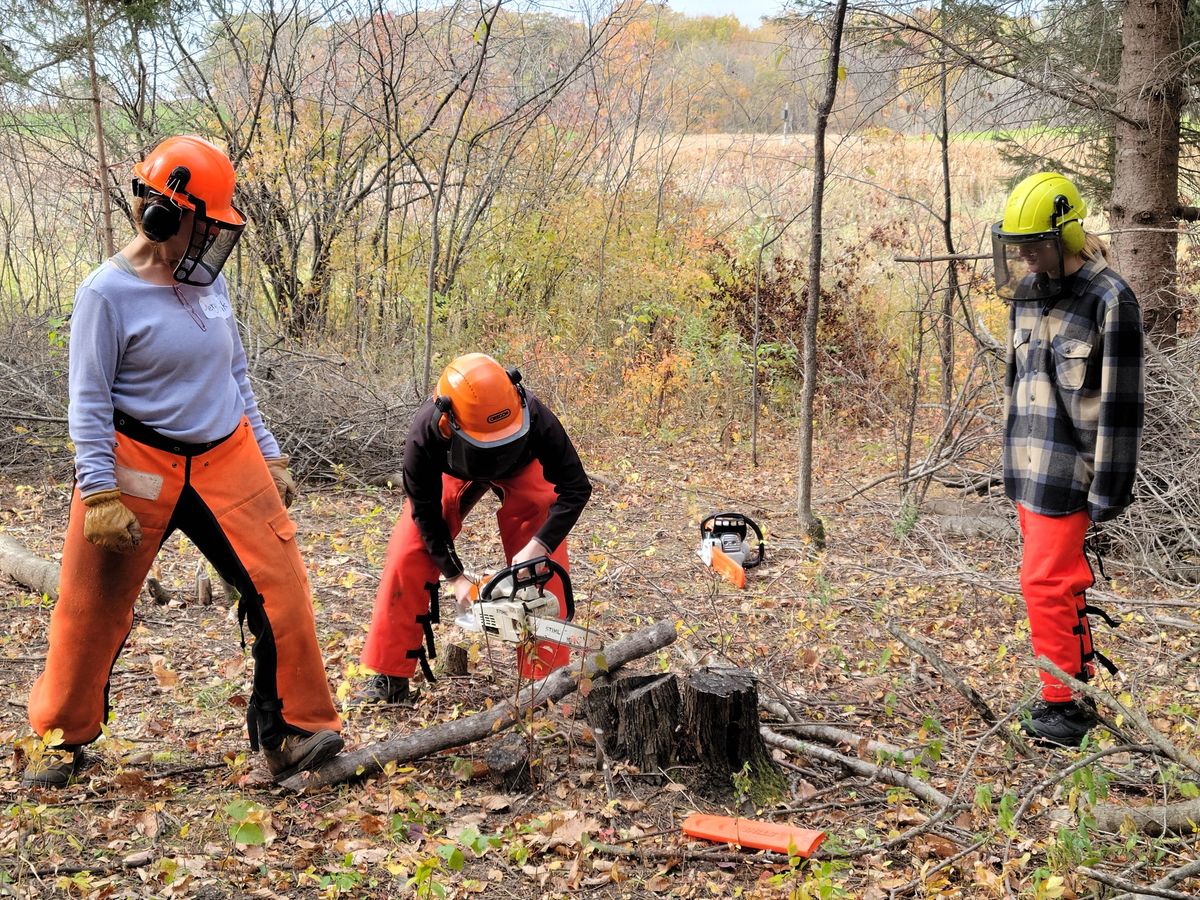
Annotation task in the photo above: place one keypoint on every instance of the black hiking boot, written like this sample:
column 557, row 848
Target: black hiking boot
column 385, row 689
column 299, row 753
column 55, row 768
column 1061, row 724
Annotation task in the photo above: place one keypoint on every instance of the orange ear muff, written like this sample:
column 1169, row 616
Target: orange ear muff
column 443, row 422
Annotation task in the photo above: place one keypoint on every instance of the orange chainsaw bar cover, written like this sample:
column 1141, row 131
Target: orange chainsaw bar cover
column 752, row 833
column 725, row 566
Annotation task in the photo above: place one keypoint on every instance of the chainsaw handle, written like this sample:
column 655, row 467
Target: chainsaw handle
column 739, row 524
column 526, row 574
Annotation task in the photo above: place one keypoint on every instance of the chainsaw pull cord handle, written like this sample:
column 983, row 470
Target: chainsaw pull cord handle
column 526, row 574
column 739, row 524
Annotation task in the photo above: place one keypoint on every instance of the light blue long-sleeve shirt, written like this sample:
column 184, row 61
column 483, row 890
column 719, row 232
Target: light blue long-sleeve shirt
column 171, row 357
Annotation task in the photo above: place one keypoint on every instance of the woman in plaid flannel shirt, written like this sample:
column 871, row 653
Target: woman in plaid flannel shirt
column 1074, row 408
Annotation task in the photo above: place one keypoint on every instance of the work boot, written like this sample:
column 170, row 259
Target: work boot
column 298, row 753
column 1062, row 724
column 55, row 768
column 384, row 689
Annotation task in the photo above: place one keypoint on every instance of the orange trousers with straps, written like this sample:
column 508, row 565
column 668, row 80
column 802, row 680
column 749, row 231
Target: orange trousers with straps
column 1055, row 576
column 222, row 497
column 406, row 604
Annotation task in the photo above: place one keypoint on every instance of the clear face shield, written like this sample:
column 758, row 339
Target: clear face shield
column 209, row 247
column 1027, row 267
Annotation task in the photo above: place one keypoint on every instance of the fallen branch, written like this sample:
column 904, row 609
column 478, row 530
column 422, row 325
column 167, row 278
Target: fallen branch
column 859, row 766
column 1166, row 882
column 469, row 729
column 1156, row 737
column 28, row 569
column 1170, row 818
column 831, row 734
column 1133, row 887
column 943, row 668
column 1057, row 776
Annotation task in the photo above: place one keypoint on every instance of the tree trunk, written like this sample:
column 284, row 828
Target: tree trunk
column 101, row 154
column 1146, row 172
column 812, row 524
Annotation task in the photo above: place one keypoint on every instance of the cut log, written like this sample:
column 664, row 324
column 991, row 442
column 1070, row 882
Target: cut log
column 27, row 569
column 508, row 761
column 636, row 717
column 455, row 660
column 371, row 759
column 719, row 733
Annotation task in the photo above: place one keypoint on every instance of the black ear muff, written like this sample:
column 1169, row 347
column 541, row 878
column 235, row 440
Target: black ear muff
column 514, row 375
column 162, row 216
column 442, row 404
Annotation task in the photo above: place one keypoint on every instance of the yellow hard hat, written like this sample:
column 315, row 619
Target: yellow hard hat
column 1042, row 206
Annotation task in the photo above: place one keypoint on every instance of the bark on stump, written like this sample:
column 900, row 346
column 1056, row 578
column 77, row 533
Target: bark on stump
column 634, row 719
column 455, row 662
column 508, row 761
column 719, row 734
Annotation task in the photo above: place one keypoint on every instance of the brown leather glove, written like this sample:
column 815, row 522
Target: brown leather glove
column 109, row 523
column 284, row 482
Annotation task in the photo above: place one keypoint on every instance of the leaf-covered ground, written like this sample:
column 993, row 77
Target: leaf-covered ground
column 177, row 806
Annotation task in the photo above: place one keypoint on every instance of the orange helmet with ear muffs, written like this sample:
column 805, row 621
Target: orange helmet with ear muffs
column 484, row 416
column 481, row 401
column 184, row 173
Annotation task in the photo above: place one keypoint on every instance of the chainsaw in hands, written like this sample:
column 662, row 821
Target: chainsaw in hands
column 725, row 545
column 514, row 605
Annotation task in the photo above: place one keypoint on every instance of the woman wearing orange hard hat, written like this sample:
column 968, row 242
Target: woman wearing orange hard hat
column 481, row 431
column 168, row 436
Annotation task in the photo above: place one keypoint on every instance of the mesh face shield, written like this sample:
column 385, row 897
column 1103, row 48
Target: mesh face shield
column 482, row 461
column 1027, row 266
column 209, row 247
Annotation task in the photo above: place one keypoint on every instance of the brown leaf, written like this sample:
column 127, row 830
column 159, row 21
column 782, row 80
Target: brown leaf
column 163, row 673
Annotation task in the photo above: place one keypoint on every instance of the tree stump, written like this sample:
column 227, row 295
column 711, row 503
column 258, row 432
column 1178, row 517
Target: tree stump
column 508, row 761
column 718, row 733
column 634, row 719
column 455, row 661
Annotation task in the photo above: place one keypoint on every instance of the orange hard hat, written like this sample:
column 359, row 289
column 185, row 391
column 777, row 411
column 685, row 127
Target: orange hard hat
column 482, row 402
column 209, row 177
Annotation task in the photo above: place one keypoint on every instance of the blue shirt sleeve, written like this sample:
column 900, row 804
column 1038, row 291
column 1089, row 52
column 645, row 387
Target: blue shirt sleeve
column 94, row 355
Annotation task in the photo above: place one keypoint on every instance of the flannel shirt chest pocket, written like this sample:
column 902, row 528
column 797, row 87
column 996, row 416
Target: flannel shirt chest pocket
column 1070, row 361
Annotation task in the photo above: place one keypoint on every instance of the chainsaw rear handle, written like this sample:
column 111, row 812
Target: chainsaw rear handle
column 526, row 574
column 736, row 523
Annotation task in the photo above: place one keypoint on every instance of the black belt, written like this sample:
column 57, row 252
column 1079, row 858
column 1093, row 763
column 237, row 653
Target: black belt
column 144, row 434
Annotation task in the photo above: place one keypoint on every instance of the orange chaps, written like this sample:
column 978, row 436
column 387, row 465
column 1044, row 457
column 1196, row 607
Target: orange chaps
column 222, row 497
column 1055, row 576
column 406, row 605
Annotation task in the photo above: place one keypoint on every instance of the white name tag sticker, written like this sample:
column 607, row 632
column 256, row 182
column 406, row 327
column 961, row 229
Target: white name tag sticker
column 146, row 485
column 216, row 306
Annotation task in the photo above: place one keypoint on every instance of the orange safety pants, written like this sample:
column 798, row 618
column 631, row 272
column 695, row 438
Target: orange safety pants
column 406, row 605
column 222, row 497
column 1055, row 576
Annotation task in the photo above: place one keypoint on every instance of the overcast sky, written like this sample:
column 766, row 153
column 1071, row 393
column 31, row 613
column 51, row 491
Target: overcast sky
column 749, row 11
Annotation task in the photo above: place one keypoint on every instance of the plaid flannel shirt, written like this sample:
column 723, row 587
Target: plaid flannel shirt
column 1074, row 397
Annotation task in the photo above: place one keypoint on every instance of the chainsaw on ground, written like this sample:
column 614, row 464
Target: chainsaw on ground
column 725, row 545
column 514, row 605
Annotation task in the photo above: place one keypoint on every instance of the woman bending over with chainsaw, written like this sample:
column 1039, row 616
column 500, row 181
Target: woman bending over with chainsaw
column 1074, row 395
column 481, row 431
column 168, row 436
